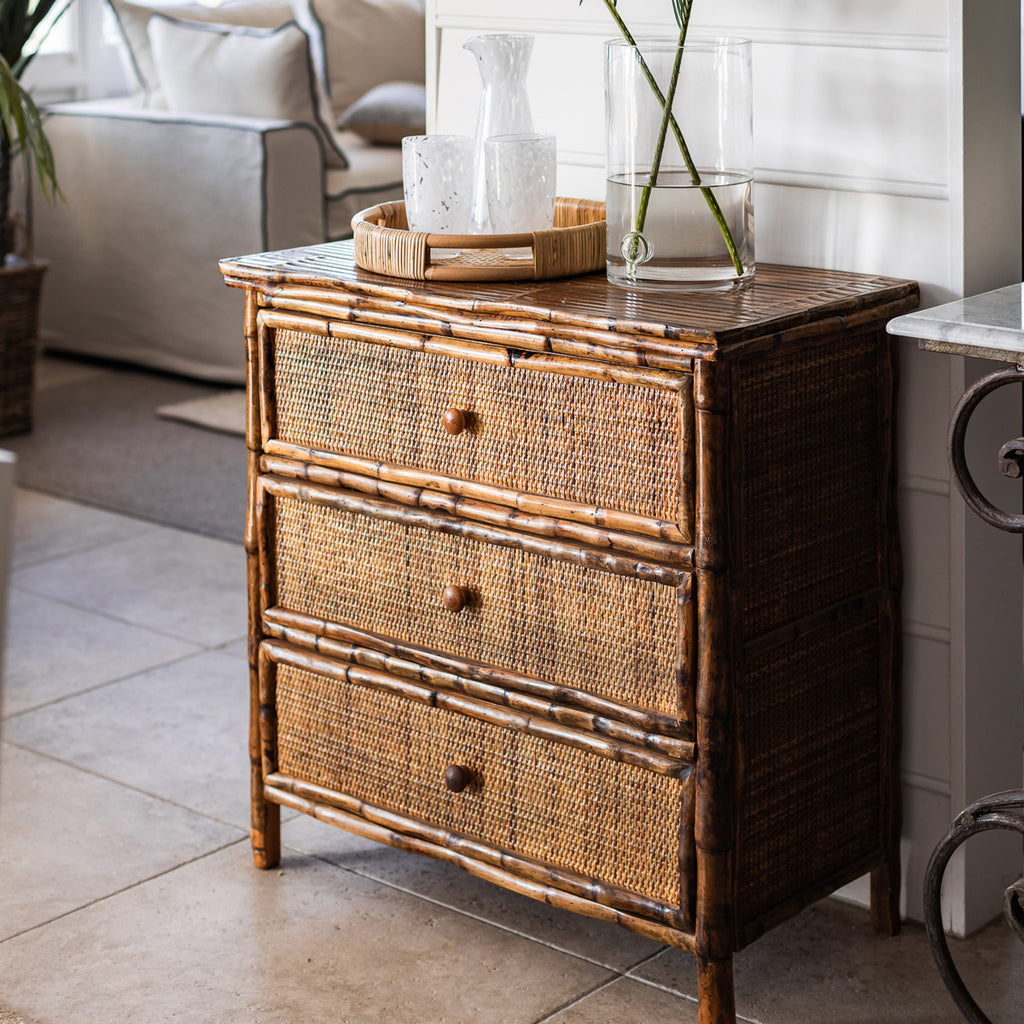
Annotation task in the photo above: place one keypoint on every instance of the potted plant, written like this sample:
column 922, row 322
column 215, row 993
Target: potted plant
column 21, row 136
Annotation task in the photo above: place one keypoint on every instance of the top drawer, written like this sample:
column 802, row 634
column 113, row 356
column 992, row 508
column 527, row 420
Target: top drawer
column 595, row 442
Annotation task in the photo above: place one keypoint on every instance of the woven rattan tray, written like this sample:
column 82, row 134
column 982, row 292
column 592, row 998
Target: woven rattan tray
column 575, row 245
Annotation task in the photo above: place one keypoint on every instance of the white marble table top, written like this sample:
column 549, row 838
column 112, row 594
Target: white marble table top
column 990, row 325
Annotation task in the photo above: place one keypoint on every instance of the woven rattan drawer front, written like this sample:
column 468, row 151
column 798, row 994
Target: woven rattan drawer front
column 595, row 442
column 557, row 804
column 610, row 635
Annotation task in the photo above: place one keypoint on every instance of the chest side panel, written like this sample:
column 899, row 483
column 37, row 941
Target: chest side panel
column 816, row 600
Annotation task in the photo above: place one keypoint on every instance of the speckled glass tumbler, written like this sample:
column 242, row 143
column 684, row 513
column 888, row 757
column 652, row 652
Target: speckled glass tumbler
column 520, row 184
column 437, row 175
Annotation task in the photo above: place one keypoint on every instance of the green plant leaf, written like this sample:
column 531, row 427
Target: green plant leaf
column 15, row 34
column 22, row 123
column 20, row 21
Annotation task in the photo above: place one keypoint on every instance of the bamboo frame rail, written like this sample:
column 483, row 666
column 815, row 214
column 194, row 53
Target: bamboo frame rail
column 588, row 897
column 299, row 630
column 590, row 558
column 567, row 514
column 420, row 496
column 672, row 736
column 519, row 349
column 496, row 714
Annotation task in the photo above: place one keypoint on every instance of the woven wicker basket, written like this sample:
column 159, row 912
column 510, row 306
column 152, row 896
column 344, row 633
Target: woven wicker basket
column 20, row 288
column 575, row 245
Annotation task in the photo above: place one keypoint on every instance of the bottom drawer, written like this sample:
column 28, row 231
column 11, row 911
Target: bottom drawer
column 554, row 803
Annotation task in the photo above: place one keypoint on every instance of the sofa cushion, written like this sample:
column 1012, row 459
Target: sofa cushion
column 241, row 72
column 357, row 44
column 374, row 176
column 133, row 21
column 388, row 112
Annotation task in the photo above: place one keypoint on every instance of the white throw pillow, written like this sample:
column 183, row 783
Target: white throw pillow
column 133, row 21
column 387, row 113
column 240, row 72
column 357, row 44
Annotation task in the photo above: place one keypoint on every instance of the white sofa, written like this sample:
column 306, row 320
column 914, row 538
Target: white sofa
column 160, row 185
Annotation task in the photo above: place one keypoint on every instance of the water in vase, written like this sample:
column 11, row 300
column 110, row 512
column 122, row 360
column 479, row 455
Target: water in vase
column 685, row 246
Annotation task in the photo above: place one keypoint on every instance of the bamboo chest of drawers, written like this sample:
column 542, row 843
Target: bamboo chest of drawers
column 593, row 593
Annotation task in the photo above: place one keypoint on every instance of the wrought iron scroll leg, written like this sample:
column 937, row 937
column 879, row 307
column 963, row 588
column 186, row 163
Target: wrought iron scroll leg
column 1011, row 455
column 1001, row 811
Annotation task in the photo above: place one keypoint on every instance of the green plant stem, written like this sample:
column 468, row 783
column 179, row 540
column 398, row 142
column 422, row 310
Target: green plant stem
column 659, row 149
column 709, row 196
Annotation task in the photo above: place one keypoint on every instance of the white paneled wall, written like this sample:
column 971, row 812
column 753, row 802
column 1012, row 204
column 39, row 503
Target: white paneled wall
column 887, row 141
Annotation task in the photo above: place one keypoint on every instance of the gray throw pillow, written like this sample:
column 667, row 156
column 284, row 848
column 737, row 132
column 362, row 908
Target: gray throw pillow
column 387, row 113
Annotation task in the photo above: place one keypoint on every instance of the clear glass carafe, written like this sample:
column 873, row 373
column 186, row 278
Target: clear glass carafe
column 503, row 60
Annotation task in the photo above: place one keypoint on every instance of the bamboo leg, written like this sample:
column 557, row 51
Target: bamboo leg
column 715, row 992
column 265, row 817
column 715, row 815
column 886, row 878
column 265, row 831
column 885, row 897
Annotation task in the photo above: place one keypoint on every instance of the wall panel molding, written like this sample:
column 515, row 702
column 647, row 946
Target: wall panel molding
column 771, row 37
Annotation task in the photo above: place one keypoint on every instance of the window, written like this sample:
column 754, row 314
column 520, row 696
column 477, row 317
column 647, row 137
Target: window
column 80, row 57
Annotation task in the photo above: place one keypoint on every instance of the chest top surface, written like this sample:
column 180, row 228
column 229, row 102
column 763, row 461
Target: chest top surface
column 704, row 324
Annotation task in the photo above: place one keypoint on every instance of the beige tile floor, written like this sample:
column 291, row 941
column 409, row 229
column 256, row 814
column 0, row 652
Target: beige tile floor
column 128, row 894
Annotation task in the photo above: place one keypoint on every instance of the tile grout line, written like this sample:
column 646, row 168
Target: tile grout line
column 99, row 686
column 124, row 785
column 671, row 991
column 87, row 549
column 124, row 889
column 220, row 649
column 149, row 524
column 658, row 985
column 21, row 588
column 576, row 1000
column 465, row 913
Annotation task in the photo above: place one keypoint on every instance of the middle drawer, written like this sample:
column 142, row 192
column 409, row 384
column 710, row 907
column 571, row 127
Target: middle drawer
column 612, row 635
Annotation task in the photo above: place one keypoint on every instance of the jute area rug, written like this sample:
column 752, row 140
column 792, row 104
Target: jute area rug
column 223, row 411
column 97, row 439
column 6, row 1017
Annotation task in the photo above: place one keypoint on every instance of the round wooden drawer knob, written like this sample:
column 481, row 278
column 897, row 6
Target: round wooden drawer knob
column 454, row 421
column 457, row 777
column 455, row 598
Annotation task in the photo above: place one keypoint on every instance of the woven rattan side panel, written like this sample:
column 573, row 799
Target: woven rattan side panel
column 19, row 320
column 813, row 453
column 560, row 805
column 592, row 441
column 616, row 636
column 811, row 729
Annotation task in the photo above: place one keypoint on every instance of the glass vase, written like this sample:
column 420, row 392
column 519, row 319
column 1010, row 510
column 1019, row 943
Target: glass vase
column 679, row 203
